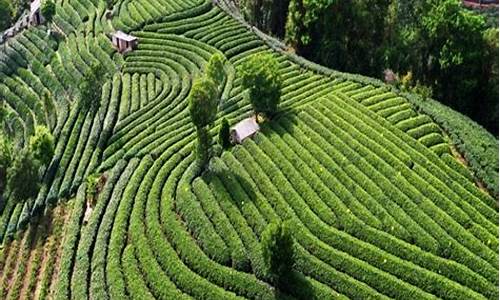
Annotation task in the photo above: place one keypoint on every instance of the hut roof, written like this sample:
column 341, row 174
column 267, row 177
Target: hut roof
column 123, row 36
column 246, row 128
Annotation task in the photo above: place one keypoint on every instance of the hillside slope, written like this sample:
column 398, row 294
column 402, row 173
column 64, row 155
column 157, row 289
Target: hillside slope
column 379, row 206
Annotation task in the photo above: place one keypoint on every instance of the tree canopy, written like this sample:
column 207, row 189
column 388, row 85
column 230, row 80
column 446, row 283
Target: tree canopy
column 203, row 110
column 268, row 15
column 23, row 176
column 224, row 134
column 42, row 145
column 203, row 101
column 448, row 49
column 215, row 69
column 260, row 75
column 6, row 156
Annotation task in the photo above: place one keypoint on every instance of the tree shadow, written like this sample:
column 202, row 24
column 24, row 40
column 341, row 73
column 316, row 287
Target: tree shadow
column 295, row 286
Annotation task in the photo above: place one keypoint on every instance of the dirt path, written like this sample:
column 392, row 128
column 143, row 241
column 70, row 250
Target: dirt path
column 60, row 241
column 10, row 276
column 33, row 262
column 461, row 159
column 9, row 262
column 45, row 255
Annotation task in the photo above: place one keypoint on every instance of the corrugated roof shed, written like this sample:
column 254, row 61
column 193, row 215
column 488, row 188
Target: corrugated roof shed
column 244, row 129
column 123, row 36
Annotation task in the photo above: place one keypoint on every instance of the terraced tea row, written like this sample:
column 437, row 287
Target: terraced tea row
column 378, row 206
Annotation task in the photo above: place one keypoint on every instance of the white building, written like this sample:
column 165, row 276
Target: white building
column 124, row 42
column 244, row 129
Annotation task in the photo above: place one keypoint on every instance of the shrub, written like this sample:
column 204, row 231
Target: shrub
column 203, row 102
column 42, row 145
column 23, row 177
column 90, row 86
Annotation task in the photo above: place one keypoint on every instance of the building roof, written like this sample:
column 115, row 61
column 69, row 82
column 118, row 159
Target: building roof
column 246, row 128
column 123, row 36
column 34, row 6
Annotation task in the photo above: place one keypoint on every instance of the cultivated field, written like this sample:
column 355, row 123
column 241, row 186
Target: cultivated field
column 379, row 205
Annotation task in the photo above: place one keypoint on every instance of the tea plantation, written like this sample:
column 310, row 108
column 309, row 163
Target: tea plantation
column 378, row 202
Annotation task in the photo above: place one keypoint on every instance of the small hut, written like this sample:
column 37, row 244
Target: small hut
column 124, row 42
column 244, row 129
column 36, row 17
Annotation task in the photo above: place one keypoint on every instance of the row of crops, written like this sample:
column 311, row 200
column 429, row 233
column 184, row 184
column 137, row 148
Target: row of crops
column 378, row 205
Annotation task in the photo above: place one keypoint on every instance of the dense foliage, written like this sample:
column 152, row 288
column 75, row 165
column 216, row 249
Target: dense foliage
column 90, row 86
column 42, row 145
column 203, row 109
column 260, row 75
column 448, row 49
column 6, row 156
column 377, row 206
column 269, row 15
column 23, row 176
column 215, row 70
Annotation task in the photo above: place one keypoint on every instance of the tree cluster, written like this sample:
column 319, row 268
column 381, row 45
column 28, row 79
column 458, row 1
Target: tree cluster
column 268, row 15
column 449, row 50
column 22, row 172
column 10, row 11
column 260, row 75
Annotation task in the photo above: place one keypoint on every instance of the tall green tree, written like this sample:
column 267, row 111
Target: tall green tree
column 23, row 176
column 447, row 49
column 344, row 35
column 42, row 145
column 215, row 70
column 260, row 75
column 203, row 109
column 277, row 249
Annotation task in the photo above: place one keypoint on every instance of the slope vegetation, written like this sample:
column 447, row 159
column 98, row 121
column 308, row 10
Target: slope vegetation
column 379, row 206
